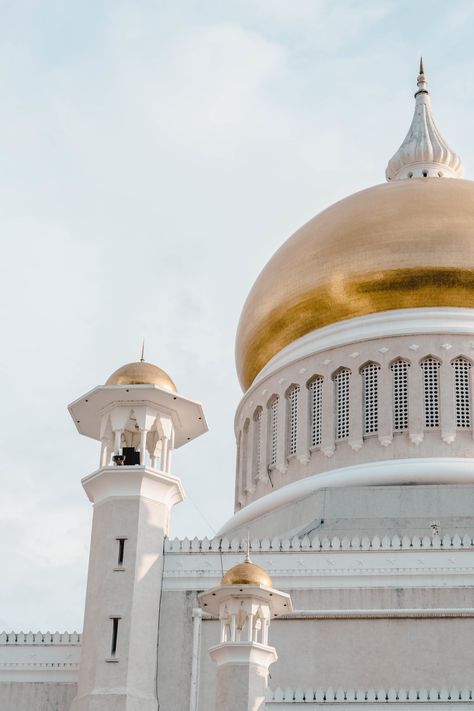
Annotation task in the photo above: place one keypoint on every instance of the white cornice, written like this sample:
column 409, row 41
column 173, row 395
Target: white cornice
column 329, row 569
column 243, row 653
column 133, row 482
column 399, row 322
column 434, row 470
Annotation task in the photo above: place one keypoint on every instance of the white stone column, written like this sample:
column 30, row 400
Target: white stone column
column 244, row 458
column 416, row 423
column 302, row 436
column 195, row 663
column 262, row 475
column 238, row 498
column 131, row 503
column 242, row 675
column 281, row 460
column 446, row 402
column 328, row 430
column 355, row 411
column 249, row 467
column 385, row 405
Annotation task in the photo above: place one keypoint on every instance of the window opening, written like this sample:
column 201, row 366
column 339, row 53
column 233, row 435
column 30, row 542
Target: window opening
column 341, row 387
column 292, row 418
column 462, row 392
column 370, row 376
column 273, row 431
column 430, row 367
column 257, row 423
column 244, row 453
column 399, row 370
column 315, row 388
column 121, row 548
column 113, row 646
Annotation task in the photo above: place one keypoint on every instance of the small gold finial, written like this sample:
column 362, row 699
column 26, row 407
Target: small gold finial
column 142, row 357
column 422, row 71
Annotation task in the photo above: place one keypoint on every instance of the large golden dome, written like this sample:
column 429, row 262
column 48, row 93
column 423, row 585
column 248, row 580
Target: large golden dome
column 141, row 373
column 403, row 244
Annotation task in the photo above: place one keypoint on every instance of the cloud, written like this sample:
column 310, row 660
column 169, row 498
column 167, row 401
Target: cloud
column 154, row 156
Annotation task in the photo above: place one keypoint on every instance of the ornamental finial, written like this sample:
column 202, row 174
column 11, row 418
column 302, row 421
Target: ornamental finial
column 424, row 153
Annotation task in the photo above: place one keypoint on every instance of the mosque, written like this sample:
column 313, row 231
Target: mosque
column 345, row 576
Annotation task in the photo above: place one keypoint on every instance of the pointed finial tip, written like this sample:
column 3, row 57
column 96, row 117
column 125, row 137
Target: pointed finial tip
column 422, row 70
column 142, row 356
column 247, row 552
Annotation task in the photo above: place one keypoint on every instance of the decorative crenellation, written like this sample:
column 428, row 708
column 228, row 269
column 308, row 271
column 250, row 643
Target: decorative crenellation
column 43, row 638
column 320, row 543
column 368, row 695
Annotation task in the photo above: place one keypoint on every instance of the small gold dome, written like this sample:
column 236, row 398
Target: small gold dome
column 403, row 244
column 142, row 373
column 247, row 573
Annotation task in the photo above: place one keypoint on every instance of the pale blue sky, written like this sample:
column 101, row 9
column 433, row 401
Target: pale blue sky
column 154, row 155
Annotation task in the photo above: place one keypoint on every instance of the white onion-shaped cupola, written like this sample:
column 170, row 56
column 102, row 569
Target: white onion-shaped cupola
column 424, row 153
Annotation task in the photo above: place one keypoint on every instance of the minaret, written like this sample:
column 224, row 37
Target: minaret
column 424, row 153
column 244, row 602
column 139, row 418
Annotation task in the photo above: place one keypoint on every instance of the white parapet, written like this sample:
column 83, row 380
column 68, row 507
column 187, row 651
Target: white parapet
column 39, row 656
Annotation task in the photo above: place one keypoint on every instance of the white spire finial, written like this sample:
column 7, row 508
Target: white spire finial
column 424, row 153
column 247, row 553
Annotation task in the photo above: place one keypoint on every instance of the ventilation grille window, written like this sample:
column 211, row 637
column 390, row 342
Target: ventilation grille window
column 292, row 418
column 462, row 392
column 430, row 368
column 239, row 452
column 370, row 376
column 341, row 386
column 257, row 423
column 400, row 395
column 273, row 431
column 244, row 453
column 316, row 411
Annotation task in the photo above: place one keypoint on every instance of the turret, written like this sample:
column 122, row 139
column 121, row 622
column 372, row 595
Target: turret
column 245, row 602
column 139, row 418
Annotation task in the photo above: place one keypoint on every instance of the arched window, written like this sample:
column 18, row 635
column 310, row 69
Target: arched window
column 257, row 441
column 341, row 396
column 244, row 454
column 239, row 459
column 273, row 430
column 462, row 392
column 315, row 387
column 292, row 396
column 430, row 367
column 399, row 370
column 370, row 397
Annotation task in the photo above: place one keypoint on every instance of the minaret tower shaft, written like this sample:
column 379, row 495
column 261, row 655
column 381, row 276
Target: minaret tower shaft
column 139, row 418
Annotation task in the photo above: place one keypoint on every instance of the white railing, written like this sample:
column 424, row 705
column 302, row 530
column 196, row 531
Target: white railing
column 43, row 638
column 369, row 695
column 318, row 543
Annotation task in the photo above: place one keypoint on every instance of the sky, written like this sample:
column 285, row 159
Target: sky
column 153, row 156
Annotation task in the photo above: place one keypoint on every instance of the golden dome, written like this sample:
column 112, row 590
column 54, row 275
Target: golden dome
column 403, row 244
column 247, row 573
column 142, row 373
